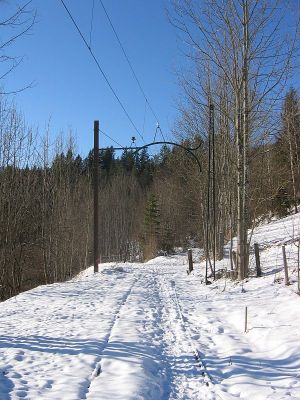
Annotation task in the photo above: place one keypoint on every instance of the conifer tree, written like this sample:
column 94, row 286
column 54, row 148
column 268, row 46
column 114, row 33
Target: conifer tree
column 128, row 160
column 152, row 217
column 288, row 144
column 167, row 239
column 152, row 227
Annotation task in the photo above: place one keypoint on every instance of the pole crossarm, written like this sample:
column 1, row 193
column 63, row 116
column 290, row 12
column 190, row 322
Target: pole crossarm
column 187, row 149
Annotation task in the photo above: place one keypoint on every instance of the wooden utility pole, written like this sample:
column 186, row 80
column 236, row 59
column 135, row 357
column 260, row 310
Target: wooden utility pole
column 212, row 122
column 245, row 129
column 242, row 127
column 96, row 184
column 208, row 196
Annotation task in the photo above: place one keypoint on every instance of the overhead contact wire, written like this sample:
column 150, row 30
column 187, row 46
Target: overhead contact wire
column 113, row 140
column 130, row 65
column 92, row 20
column 101, row 70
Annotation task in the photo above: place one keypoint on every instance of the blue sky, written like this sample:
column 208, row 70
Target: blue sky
column 68, row 89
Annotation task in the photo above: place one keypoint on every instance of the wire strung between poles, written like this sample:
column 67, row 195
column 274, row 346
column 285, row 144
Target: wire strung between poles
column 101, row 70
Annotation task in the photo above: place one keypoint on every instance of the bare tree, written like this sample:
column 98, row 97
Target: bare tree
column 243, row 44
column 16, row 183
column 15, row 22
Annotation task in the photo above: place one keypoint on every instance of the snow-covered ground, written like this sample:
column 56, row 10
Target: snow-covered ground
column 150, row 331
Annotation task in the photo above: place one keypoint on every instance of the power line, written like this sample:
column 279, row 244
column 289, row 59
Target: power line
column 113, row 140
column 92, row 20
column 161, row 133
column 130, row 65
column 156, row 129
column 144, row 119
column 101, row 70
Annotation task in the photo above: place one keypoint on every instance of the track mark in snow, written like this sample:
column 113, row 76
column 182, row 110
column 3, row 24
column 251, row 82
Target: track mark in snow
column 196, row 352
column 98, row 369
column 132, row 362
column 190, row 379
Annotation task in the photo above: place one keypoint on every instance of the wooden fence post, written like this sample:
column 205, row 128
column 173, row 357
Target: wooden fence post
column 190, row 259
column 246, row 319
column 257, row 259
column 96, row 184
column 286, row 274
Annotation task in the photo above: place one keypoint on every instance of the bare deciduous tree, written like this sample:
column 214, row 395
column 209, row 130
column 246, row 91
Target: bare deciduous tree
column 16, row 21
column 242, row 47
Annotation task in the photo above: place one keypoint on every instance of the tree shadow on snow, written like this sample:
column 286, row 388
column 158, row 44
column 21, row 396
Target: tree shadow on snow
column 155, row 362
column 261, row 370
column 6, row 386
column 52, row 345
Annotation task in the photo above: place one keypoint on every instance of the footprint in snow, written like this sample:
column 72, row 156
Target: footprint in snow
column 21, row 393
column 217, row 329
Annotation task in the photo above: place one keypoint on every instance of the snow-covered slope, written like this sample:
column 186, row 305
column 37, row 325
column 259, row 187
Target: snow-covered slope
column 150, row 331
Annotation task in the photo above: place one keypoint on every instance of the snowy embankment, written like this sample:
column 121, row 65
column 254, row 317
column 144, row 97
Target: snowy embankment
column 149, row 331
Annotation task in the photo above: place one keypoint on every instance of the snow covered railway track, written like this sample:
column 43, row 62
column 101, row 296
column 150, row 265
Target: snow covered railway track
column 196, row 352
column 116, row 313
column 171, row 289
column 131, row 364
column 179, row 334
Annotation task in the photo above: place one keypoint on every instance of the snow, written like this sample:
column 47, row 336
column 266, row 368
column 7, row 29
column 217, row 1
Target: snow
column 150, row 331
